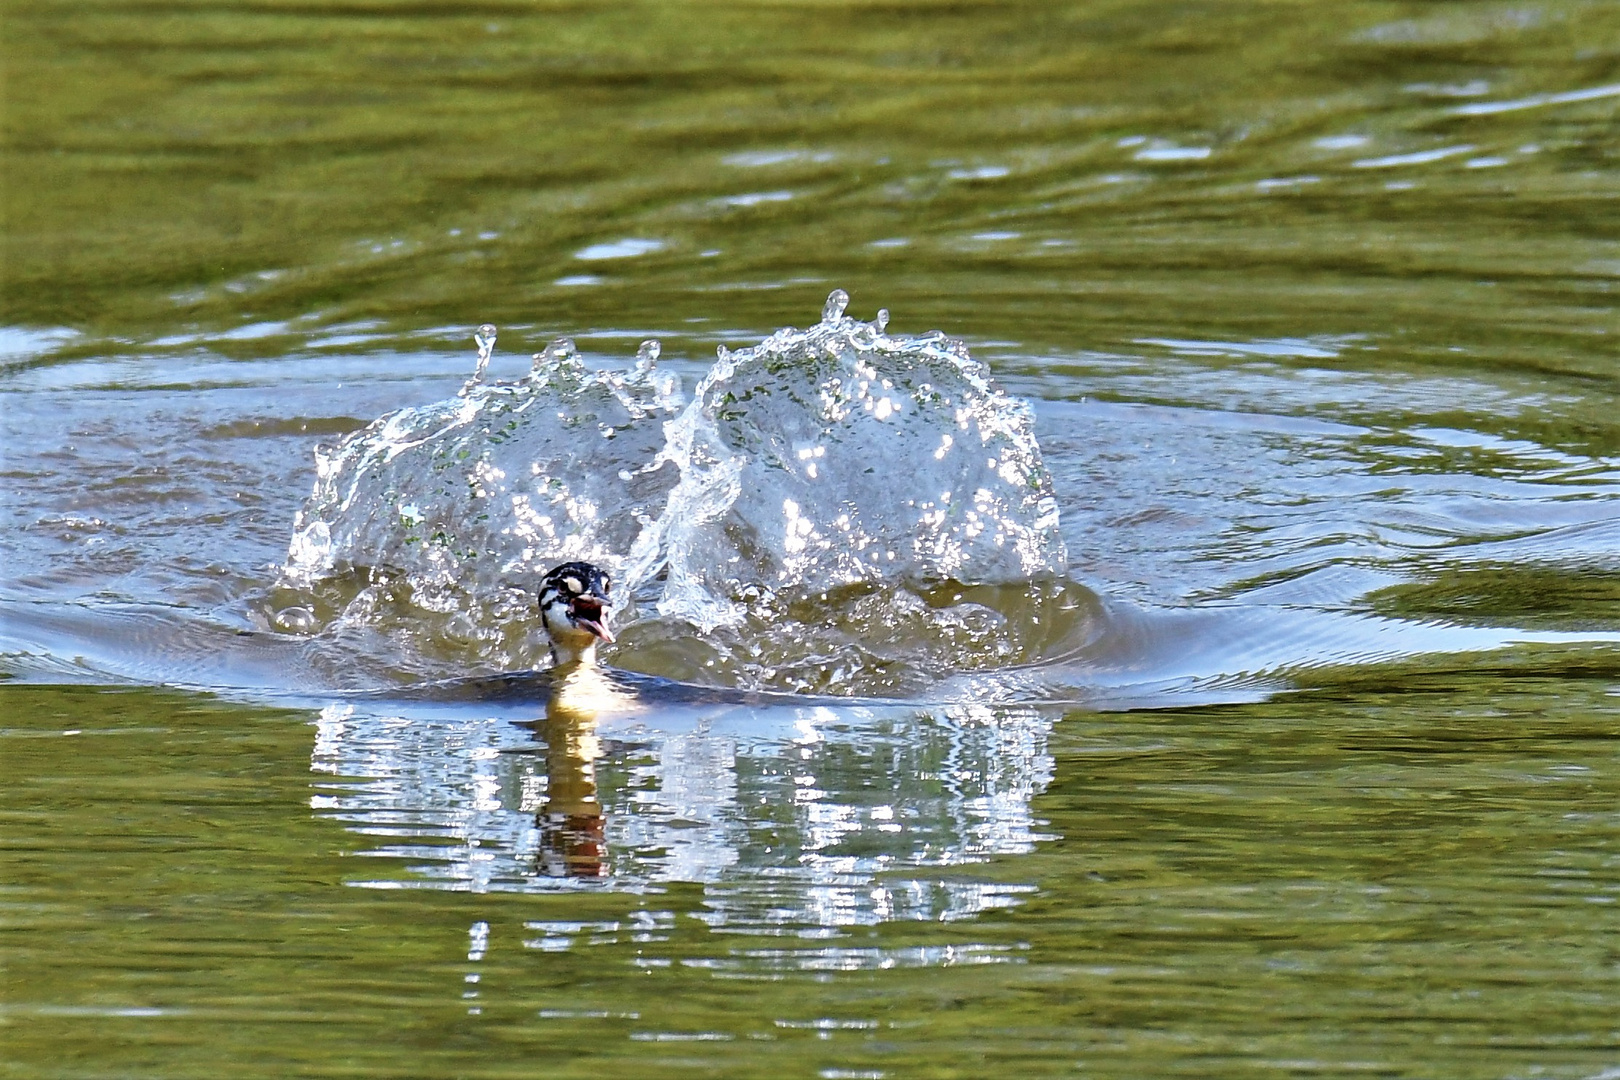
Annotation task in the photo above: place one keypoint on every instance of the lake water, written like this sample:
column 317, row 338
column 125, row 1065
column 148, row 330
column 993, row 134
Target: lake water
column 1317, row 771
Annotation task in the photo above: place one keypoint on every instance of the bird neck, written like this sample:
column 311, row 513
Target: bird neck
column 566, row 655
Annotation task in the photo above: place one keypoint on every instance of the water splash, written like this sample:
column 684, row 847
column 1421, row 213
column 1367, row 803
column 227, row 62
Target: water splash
column 485, row 340
column 846, row 456
column 453, row 509
column 825, row 487
column 833, row 309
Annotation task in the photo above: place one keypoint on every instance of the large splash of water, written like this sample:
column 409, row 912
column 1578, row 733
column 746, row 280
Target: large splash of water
column 832, row 504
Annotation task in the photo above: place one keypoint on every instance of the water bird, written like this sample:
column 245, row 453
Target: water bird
column 574, row 602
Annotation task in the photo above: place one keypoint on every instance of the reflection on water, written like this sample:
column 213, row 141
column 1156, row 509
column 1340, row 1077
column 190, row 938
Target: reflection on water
column 794, row 818
column 573, row 828
column 1410, row 869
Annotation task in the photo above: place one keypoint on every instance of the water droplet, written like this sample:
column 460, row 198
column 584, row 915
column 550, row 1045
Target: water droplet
column 484, row 338
column 837, row 301
column 648, row 354
column 881, row 323
column 559, row 355
column 295, row 620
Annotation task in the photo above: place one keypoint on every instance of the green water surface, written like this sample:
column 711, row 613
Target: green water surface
column 1411, row 875
column 1213, row 208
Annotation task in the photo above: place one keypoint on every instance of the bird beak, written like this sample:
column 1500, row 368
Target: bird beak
column 588, row 614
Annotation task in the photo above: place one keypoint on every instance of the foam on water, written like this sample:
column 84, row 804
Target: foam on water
column 836, row 458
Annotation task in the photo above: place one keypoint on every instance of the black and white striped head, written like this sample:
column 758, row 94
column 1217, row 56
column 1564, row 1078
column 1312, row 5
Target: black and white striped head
column 574, row 602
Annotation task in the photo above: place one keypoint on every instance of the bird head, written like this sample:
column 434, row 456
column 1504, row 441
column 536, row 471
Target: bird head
column 574, row 603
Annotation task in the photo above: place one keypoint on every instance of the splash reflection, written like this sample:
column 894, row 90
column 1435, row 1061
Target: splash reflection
column 797, row 819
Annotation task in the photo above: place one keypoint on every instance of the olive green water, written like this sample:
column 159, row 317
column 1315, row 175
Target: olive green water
column 1317, row 306
column 1402, row 877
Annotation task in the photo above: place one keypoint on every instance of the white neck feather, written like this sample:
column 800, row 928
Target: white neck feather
column 566, row 653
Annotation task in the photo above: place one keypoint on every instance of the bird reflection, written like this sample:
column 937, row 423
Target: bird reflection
column 572, row 826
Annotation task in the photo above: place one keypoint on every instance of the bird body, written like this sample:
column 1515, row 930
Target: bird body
column 574, row 601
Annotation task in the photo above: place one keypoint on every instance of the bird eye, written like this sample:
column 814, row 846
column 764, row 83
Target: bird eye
column 607, row 585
